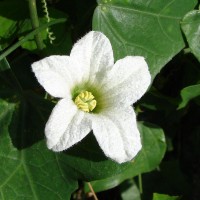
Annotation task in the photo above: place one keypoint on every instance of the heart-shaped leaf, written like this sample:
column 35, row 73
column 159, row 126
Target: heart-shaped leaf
column 150, row 29
column 31, row 173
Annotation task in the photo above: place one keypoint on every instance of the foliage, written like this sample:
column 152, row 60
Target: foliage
column 167, row 34
column 164, row 197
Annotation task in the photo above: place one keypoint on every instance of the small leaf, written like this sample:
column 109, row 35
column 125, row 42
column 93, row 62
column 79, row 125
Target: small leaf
column 154, row 146
column 191, row 28
column 189, row 93
column 148, row 29
column 129, row 191
column 157, row 196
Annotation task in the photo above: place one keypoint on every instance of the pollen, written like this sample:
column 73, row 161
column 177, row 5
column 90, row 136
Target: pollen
column 85, row 101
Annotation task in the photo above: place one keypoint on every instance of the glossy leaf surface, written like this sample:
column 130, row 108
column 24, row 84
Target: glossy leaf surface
column 189, row 93
column 150, row 29
column 191, row 28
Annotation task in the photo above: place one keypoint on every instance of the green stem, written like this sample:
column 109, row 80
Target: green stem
column 35, row 23
column 140, row 183
column 28, row 36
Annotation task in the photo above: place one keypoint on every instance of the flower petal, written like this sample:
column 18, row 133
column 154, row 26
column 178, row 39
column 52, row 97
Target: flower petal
column 127, row 81
column 56, row 74
column 94, row 54
column 66, row 126
column 117, row 134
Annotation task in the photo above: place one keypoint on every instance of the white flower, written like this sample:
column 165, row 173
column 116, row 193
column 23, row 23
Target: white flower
column 95, row 94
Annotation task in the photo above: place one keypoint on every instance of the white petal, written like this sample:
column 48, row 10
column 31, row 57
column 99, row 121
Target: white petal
column 94, row 54
column 66, row 126
column 117, row 134
column 59, row 120
column 127, row 81
column 56, row 74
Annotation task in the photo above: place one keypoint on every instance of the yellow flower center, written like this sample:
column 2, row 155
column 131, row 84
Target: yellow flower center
column 85, row 101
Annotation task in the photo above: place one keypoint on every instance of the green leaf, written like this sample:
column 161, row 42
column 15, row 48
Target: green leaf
column 189, row 93
column 129, row 191
column 154, row 146
column 29, row 173
column 5, row 114
column 157, row 196
column 191, row 28
column 12, row 15
column 89, row 161
column 150, row 29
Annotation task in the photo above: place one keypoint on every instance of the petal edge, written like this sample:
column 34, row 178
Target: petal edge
column 127, row 81
column 117, row 134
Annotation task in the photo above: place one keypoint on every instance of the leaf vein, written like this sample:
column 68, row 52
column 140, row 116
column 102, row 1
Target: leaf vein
column 47, row 188
column 164, row 32
column 2, row 196
column 28, row 177
column 144, row 12
column 121, row 39
column 13, row 173
column 166, row 6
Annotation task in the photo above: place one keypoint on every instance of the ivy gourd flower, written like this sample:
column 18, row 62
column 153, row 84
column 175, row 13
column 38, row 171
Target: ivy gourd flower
column 95, row 94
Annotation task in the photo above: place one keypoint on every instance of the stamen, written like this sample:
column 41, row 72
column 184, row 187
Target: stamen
column 85, row 101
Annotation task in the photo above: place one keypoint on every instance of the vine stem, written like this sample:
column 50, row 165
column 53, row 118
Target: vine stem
column 35, row 23
column 93, row 192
